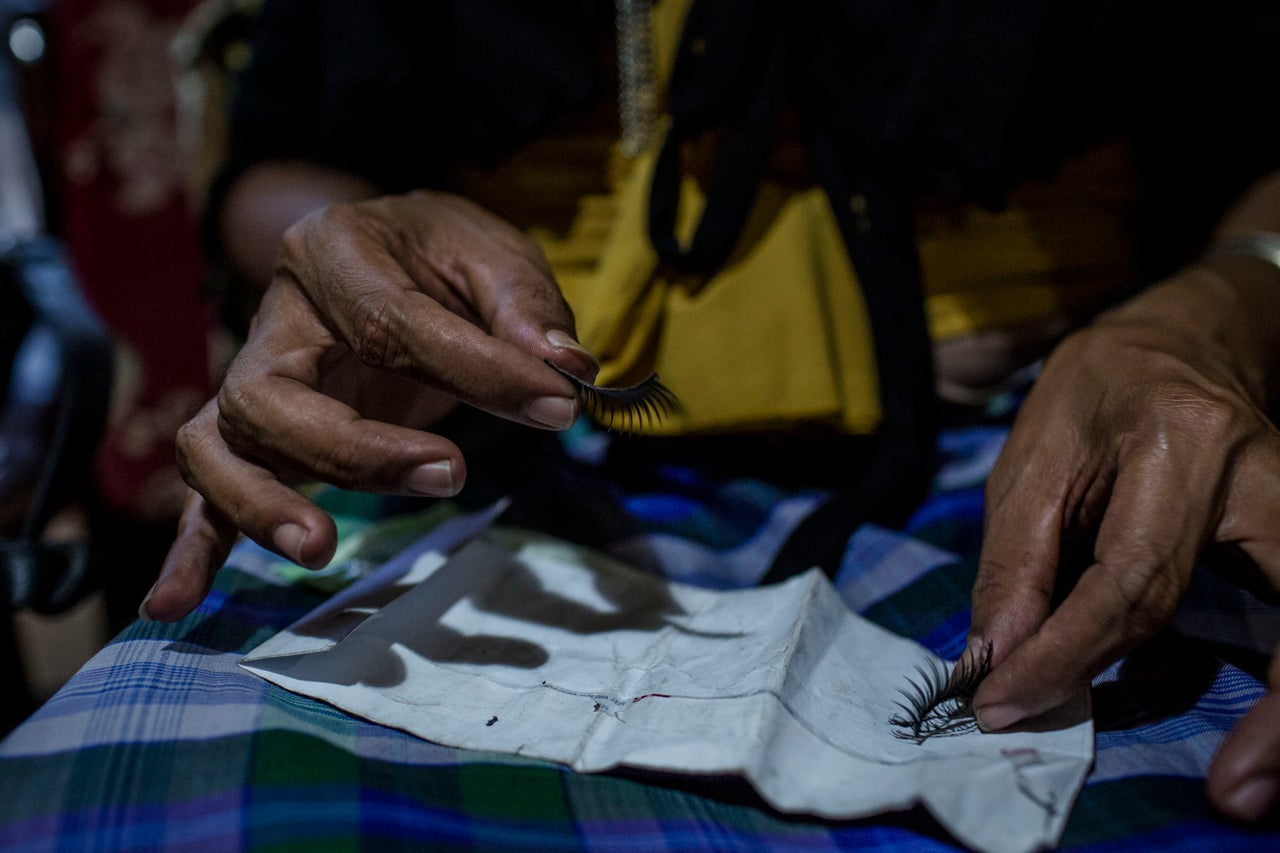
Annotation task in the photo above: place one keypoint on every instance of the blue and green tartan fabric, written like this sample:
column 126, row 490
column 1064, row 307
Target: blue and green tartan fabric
column 162, row 742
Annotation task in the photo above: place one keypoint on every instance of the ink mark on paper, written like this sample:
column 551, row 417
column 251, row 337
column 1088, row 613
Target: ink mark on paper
column 1022, row 759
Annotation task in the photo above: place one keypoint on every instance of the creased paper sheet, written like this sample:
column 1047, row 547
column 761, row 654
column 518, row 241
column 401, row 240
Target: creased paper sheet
column 530, row 646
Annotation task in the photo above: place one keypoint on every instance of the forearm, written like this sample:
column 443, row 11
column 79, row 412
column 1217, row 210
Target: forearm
column 269, row 197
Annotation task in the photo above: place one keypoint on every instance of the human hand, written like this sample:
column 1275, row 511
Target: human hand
column 1244, row 779
column 1147, row 427
column 380, row 318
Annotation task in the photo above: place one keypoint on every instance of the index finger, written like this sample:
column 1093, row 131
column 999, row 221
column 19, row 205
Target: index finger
column 503, row 277
column 203, row 541
column 1147, row 544
column 467, row 259
column 1244, row 778
column 369, row 301
column 1025, row 509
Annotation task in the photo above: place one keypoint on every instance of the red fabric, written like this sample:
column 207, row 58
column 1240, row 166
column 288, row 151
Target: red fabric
column 132, row 235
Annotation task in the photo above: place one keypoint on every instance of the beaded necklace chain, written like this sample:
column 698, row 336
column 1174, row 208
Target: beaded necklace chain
column 637, row 93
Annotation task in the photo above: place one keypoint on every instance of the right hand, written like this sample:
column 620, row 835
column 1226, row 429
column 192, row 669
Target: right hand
column 381, row 316
column 1149, row 430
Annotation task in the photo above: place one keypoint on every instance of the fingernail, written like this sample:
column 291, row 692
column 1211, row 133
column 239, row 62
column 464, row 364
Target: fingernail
column 143, row 615
column 564, row 340
column 435, row 479
column 289, row 539
column 1254, row 798
column 555, row 412
column 997, row 717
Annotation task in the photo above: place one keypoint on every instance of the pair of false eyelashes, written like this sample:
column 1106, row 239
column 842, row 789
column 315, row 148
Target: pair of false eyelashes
column 937, row 702
column 625, row 410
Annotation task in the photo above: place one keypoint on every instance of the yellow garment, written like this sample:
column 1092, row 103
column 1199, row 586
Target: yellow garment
column 777, row 336
column 781, row 334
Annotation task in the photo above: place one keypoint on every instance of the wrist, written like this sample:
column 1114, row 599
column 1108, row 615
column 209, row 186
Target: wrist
column 1249, row 289
column 1223, row 305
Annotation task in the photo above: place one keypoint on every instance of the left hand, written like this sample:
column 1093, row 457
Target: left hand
column 1244, row 779
column 1147, row 427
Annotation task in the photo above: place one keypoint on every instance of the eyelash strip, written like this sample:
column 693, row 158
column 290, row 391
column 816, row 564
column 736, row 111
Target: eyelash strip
column 624, row 409
column 938, row 703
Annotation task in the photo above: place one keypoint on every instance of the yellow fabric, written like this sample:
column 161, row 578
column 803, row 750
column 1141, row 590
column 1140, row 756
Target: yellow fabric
column 778, row 336
column 781, row 334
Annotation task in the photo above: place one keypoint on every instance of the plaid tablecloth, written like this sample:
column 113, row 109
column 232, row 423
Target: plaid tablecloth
column 162, row 742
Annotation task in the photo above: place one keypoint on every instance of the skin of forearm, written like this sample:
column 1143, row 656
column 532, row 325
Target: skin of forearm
column 269, row 197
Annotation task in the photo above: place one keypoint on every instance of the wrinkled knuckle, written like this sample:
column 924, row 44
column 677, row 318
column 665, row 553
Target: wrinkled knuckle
column 993, row 570
column 298, row 236
column 244, row 515
column 547, row 293
column 294, row 239
column 190, row 445
column 317, row 229
column 527, row 271
column 1150, row 596
column 340, row 462
column 1189, row 407
column 531, row 292
column 988, row 587
column 1218, row 408
column 511, row 274
column 989, row 582
column 374, row 332
column 997, row 581
column 336, row 216
column 235, row 411
column 1224, row 419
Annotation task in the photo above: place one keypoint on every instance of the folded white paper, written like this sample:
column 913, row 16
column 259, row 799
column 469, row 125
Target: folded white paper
column 531, row 646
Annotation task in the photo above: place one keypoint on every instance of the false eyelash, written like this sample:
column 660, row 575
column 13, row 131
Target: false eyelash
column 624, row 409
column 938, row 703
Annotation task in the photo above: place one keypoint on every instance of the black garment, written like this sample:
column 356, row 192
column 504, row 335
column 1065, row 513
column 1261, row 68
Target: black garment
column 402, row 91
column 962, row 98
